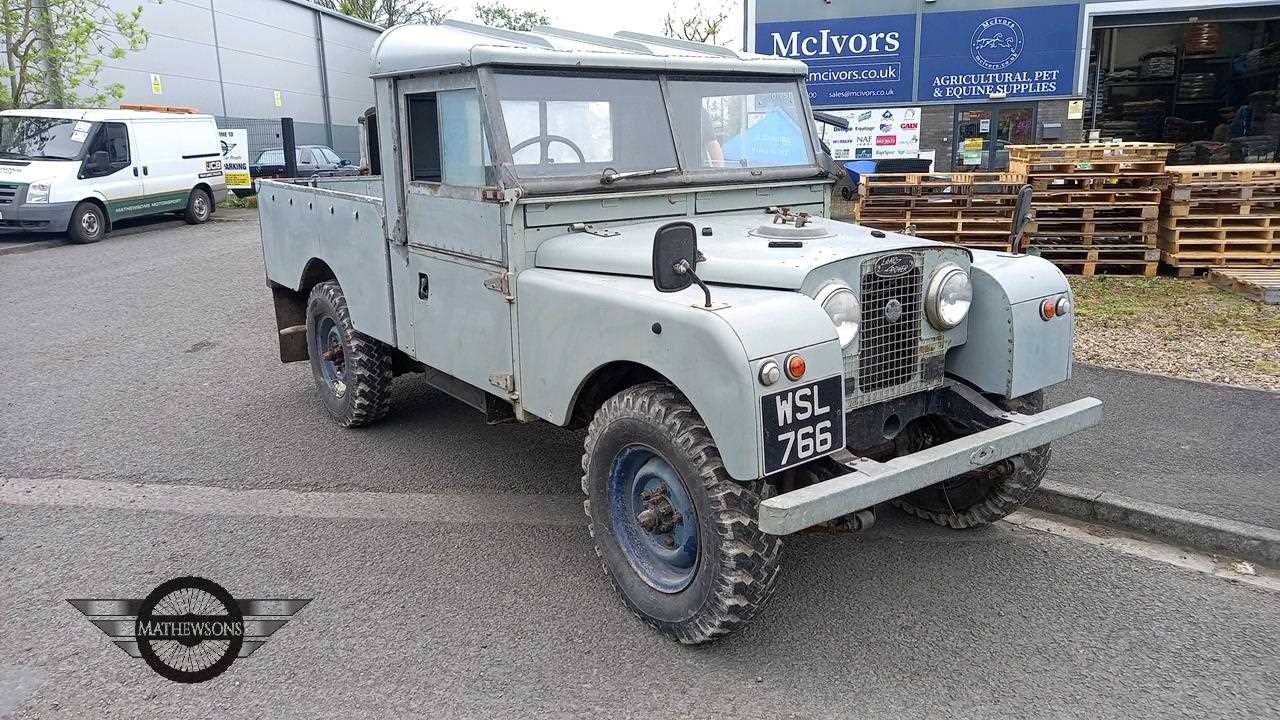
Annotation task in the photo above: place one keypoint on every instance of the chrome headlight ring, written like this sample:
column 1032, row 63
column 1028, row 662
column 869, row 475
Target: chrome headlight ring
column 841, row 305
column 949, row 296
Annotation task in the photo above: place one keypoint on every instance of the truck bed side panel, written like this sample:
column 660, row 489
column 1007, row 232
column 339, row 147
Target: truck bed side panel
column 344, row 230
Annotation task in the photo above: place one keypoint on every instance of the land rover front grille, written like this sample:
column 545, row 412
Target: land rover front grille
column 889, row 353
column 8, row 192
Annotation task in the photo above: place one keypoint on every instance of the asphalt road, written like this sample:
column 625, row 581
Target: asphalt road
column 147, row 430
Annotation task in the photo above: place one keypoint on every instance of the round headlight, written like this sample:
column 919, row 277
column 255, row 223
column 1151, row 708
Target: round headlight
column 950, row 295
column 842, row 306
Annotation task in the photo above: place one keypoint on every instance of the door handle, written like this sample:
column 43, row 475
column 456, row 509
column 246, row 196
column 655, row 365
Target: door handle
column 144, row 169
column 423, row 286
column 135, row 172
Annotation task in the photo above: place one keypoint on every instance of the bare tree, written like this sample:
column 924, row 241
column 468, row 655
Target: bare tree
column 391, row 12
column 496, row 14
column 54, row 50
column 698, row 25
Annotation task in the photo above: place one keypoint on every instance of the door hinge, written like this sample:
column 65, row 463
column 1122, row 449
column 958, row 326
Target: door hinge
column 500, row 283
column 593, row 230
column 504, row 382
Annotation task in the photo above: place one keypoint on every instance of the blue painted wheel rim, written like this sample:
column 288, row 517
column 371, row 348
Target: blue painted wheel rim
column 330, row 351
column 662, row 545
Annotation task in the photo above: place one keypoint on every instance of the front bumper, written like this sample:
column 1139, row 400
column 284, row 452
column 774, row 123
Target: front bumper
column 870, row 483
column 41, row 217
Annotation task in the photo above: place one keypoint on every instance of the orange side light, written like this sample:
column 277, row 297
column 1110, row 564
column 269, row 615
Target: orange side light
column 795, row 367
column 1049, row 308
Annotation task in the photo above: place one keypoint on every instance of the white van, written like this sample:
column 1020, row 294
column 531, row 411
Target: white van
column 79, row 171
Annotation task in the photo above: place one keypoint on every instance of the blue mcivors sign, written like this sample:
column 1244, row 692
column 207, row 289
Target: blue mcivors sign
column 851, row 60
column 1016, row 52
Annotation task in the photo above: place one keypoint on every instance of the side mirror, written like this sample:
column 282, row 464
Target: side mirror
column 1021, row 216
column 675, row 258
column 99, row 161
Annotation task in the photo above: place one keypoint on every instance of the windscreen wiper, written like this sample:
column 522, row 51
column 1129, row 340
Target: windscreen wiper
column 610, row 176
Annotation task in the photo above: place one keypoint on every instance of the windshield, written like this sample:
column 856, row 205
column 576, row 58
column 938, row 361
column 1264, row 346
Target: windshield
column 610, row 126
column 740, row 123
column 42, row 138
column 563, row 126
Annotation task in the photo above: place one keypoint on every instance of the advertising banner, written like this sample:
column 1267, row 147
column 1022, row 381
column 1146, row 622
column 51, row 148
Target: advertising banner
column 235, row 157
column 1010, row 52
column 852, row 61
column 877, row 134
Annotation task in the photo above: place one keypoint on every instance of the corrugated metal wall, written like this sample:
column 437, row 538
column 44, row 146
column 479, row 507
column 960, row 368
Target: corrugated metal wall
column 230, row 58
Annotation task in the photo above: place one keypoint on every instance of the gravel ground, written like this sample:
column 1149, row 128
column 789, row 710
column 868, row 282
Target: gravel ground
column 1182, row 328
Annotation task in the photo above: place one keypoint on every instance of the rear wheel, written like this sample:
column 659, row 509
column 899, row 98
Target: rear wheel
column 982, row 496
column 676, row 535
column 199, row 207
column 353, row 372
column 88, row 223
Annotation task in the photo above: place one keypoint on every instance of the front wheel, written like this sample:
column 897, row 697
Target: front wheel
column 982, row 496
column 677, row 537
column 88, row 224
column 199, row 207
column 353, row 372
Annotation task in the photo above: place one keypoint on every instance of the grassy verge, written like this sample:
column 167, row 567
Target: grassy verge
column 234, row 201
column 1183, row 328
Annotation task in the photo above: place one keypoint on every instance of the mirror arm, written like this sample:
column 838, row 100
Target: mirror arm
column 705, row 290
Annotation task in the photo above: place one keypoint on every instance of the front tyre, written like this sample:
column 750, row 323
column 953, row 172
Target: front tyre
column 677, row 537
column 987, row 494
column 353, row 372
column 88, row 224
column 199, row 207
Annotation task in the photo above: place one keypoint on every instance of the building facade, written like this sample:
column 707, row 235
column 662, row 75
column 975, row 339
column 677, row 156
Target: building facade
column 252, row 61
column 961, row 79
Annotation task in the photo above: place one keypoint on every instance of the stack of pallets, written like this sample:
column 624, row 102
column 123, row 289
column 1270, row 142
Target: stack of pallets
column 971, row 209
column 1221, row 216
column 1097, row 205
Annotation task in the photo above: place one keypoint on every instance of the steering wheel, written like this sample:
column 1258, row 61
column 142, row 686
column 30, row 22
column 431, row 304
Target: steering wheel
column 546, row 140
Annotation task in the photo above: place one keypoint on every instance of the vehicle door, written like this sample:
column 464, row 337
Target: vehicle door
column 119, row 182
column 307, row 165
column 451, row 283
column 167, row 178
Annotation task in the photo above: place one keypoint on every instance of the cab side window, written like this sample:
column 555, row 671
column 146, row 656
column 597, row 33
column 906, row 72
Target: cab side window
column 113, row 139
column 446, row 139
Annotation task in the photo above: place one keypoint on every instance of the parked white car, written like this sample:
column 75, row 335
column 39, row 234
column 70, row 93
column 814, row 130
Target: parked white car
column 79, row 171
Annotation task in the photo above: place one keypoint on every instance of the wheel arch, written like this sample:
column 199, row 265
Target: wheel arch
column 604, row 382
column 102, row 205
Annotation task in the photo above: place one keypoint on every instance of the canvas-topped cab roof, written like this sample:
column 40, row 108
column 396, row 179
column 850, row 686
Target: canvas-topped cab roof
column 407, row 49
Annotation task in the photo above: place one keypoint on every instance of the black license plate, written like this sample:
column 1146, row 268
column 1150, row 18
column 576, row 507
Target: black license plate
column 802, row 423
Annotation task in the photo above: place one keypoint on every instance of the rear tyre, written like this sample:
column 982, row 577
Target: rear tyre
column 88, row 224
column 987, row 494
column 199, row 207
column 676, row 535
column 353, row 372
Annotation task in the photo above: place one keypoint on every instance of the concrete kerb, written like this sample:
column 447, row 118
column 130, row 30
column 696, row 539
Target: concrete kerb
column 1181, row 527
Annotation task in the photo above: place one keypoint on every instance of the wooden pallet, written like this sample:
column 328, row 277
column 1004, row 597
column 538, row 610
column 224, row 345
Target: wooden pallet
column 1230, row 207
column 1090, row 151
column 1223, row 192
column 959, row 178
column 1258, row 284
column 1121, row 196
column 1104, row 225
column 1186, row 264
column 1102, row 259
column 1240, row 173
column 1089, row 168
column 1099, row 182
column 1048, row 211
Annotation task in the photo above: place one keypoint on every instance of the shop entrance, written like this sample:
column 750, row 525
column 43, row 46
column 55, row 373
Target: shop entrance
column 984, row 132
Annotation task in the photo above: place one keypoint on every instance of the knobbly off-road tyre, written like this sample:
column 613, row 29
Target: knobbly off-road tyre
column 987, row 494
column 650, row 433
column 354, row 383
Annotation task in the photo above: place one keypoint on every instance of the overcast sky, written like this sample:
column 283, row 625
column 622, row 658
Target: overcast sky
column 605, row 17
